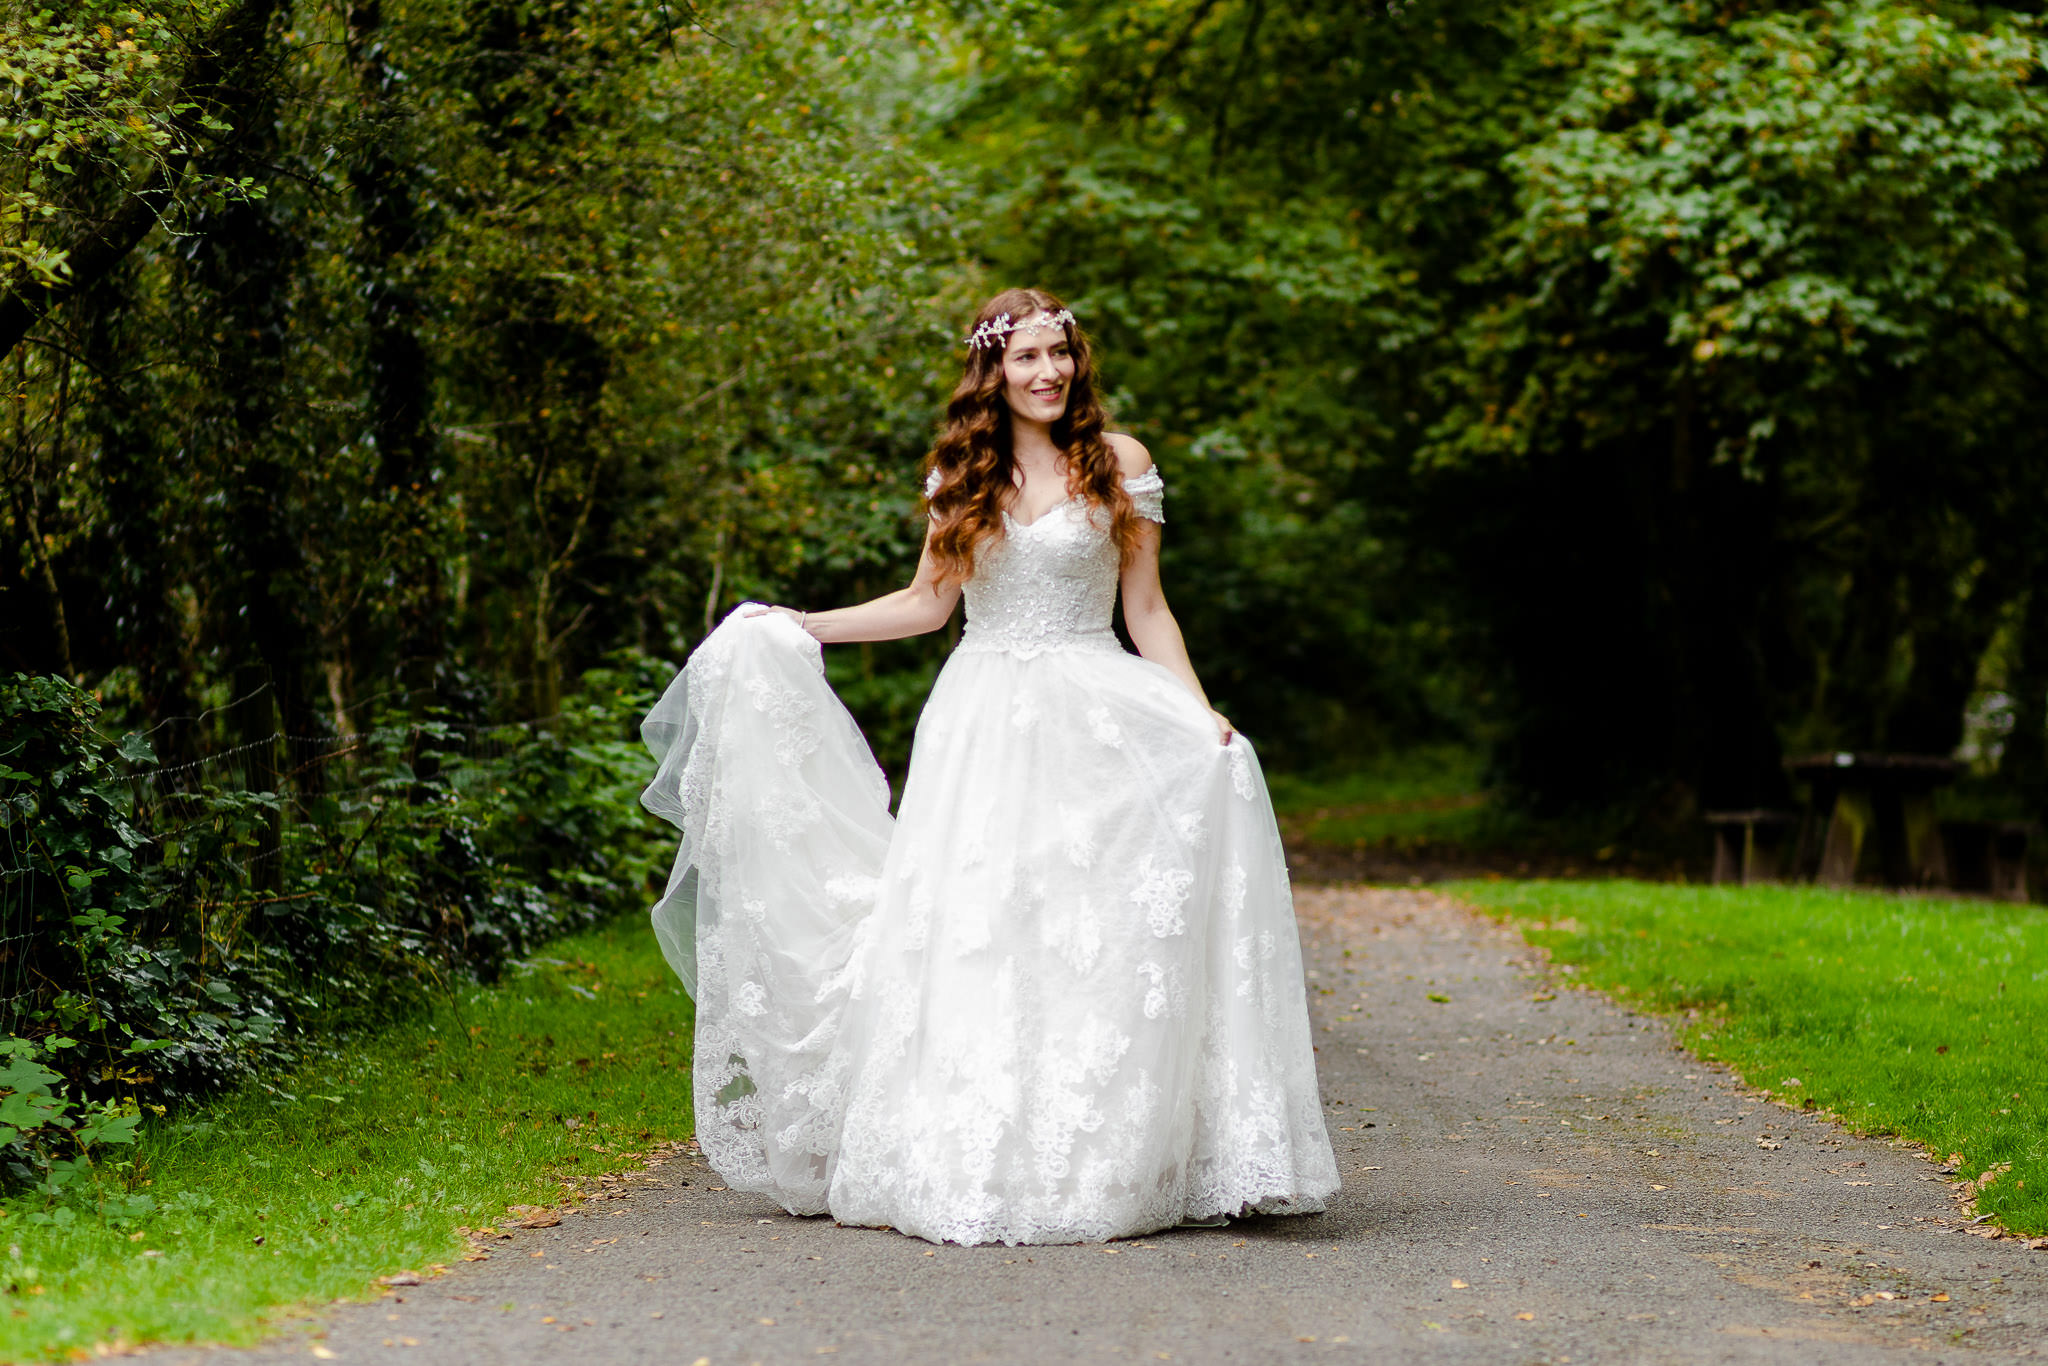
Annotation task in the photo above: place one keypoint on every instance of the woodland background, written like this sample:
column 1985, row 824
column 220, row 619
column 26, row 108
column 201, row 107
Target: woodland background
column 1634, row 392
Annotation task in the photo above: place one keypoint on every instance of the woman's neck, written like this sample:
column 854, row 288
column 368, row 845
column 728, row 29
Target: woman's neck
column 1031, row 443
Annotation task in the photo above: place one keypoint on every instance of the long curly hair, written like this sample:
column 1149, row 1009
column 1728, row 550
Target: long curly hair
column 973, row 453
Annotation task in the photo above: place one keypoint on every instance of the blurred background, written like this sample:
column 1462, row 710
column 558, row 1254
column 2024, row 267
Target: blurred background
column 1572, row 411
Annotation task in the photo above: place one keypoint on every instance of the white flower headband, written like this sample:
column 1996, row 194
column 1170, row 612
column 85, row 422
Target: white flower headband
column 992, row 332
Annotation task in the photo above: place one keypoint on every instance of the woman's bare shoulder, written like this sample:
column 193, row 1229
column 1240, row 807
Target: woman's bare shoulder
column 1131, row 456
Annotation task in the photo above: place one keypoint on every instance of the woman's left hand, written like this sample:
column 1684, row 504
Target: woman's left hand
column 1225, row 732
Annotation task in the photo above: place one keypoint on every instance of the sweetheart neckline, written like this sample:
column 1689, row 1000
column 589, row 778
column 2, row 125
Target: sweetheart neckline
column 1150, row 471
column 1026, row 526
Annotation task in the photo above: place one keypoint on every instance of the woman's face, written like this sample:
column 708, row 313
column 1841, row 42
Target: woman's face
column 1038, row 369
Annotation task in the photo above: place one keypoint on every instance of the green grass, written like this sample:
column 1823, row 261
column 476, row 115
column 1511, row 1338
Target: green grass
column 1911, row 1016
column 305, row 1191
column 1433, row 795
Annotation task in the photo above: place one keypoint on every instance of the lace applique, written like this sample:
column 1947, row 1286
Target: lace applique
column 1167, row 996
column 917, row 927
column 790, row 711
column 1079, row 829
column 1104, row 728
column 1241, row 772
column 1024, row 712
column 1234, row 884
column 1189, row 826
column 786, row 813
column 751, row 999
column 1073, row 930
column 852, row 889
column 1162, row 892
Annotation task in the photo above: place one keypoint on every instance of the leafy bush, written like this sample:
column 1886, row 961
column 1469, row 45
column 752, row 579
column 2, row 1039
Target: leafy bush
column 161, row 936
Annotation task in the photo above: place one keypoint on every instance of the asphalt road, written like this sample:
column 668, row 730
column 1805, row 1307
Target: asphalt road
column 1527, row 1180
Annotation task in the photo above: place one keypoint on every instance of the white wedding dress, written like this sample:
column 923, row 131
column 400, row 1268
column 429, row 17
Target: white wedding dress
column 1058, row 998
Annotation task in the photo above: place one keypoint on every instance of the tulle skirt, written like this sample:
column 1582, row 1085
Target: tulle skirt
column 1057, row 999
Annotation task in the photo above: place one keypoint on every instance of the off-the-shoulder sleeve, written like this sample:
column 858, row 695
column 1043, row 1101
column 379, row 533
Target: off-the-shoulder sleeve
column 931, row 483
column 1148, row 494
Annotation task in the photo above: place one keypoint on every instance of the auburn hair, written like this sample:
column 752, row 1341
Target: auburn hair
column 973, row 456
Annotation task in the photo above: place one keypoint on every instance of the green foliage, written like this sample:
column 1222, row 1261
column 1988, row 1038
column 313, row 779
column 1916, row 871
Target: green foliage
column 1912, row 1017
column 247, row 923
column 357, row 1163
column 53, row 1144
column 93, row 90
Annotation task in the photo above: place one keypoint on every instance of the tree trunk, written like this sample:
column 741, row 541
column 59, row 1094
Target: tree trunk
column 400, row 397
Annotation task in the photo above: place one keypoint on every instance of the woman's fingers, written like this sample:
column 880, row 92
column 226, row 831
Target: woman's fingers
column 1224, row 730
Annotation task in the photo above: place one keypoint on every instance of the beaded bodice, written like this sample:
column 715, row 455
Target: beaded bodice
column 1051, row 584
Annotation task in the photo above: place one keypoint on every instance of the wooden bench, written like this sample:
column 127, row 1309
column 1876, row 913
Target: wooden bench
column 1751, row 846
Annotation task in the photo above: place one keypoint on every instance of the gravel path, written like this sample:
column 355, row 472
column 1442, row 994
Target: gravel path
column 1532, row 1175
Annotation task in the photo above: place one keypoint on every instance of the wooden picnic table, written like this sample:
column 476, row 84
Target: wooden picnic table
column 1874, row 810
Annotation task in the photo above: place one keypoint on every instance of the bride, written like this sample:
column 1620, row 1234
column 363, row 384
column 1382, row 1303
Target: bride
column 1058, row 998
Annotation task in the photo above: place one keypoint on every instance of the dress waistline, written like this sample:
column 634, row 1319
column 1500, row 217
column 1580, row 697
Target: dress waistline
column 1026, row 644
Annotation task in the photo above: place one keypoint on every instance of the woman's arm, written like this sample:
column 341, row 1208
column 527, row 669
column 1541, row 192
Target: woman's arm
column 925, row 605
column 1146, row 615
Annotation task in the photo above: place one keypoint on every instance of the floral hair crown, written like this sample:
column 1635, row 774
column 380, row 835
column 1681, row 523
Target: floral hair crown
column 992, row 332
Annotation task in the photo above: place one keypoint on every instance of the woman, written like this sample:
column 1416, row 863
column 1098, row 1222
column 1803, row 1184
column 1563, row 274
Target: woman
column 1059, row 997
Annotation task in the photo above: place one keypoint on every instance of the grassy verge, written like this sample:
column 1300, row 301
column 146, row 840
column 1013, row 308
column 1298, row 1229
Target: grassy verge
column 1434, row 795
column 305, row 1190
column 1916, row 1017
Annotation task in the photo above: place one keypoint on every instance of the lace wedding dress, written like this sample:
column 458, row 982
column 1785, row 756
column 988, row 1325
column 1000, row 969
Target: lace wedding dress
column 1058, row 998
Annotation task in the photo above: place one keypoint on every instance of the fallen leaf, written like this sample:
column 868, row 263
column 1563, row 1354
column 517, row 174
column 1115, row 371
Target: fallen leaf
column 1660, row 1188
column 546, row 1218
column 549, row 1319
column 320, row 1352
column 1863, row 1301
column 401, row 1278
column 1439, row 998
column 1459, row 1285
column 1545, row 996
column 1942, row 1298
column 766, row 1323
column 1525, row 1317
column 1433, row 1327
column 1769, row 1145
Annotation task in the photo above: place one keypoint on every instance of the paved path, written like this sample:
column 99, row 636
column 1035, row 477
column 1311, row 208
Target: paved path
column 1527, row 1180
